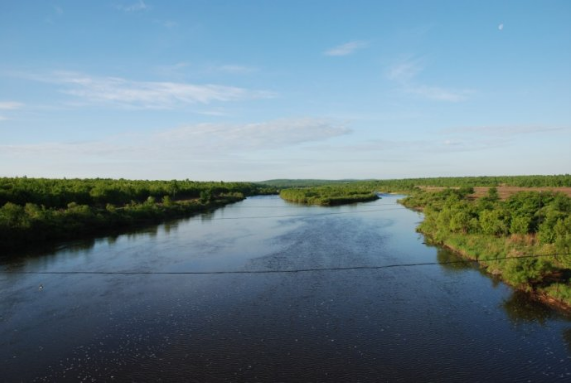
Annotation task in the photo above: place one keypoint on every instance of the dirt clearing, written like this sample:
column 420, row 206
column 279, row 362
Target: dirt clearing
column 504, row 191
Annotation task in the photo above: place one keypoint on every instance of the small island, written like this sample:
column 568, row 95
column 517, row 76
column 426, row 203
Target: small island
column 328, row 195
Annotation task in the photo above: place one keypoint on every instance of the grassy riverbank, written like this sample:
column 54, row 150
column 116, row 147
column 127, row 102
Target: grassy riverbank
column 524, row 240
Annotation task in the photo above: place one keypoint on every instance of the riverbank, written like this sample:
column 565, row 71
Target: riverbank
column 488, row 263
column 41, row 227
column 520, row 261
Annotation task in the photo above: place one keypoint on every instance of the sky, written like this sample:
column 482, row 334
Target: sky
column 255, row 90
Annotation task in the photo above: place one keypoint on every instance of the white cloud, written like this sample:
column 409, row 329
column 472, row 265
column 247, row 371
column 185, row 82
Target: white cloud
column 508, row 130
column 179, row 70
column 235, row 69
column 147, row 95
column 404, row 148
column 202, row 142
column 212, row 112
column 374, row 145
column 7, row 106
column 10, row 105
column 251, row 137
column 346, row 49
column 405, row 73
column 133, row 7
column 438, row 93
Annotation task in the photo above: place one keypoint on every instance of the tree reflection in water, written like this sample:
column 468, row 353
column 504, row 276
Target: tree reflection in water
column 453, row 262
column 520, row 309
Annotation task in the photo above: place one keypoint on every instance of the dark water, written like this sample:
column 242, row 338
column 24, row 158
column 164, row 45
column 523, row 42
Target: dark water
column 438, row 323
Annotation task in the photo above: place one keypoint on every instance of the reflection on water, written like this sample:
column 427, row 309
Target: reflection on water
column 452, row 261
column 431, row 323
column 566, row 337
column 521, row 310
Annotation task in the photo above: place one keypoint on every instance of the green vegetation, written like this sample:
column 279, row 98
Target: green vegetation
column 482, row 181
column 501, row 234
column 58, row 193
column 498, row 233
column 329, row 195
column 408, row 185
column 35, row 211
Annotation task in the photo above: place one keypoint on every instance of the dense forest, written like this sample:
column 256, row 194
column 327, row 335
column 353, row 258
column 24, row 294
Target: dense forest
column 329, row 195
column 407, row 185
column 482, row 181
column 35, row 211
column 525, row 239
column 100, row 192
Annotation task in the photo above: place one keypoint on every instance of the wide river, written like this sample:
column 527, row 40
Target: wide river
column 267, row 291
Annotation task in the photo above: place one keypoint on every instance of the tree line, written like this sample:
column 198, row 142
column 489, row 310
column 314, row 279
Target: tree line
column 99, row 192
column 34, row 211
column 409, row 184
column 329, row 195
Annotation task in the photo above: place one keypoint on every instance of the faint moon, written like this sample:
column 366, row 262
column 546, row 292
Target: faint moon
column 501, row 26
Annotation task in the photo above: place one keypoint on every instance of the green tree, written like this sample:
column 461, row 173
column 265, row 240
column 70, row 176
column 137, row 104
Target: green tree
column 460, row 222
column 493, row 222
column 167, row 201
column 520, row 224
column 493, row 194
column 205, row 196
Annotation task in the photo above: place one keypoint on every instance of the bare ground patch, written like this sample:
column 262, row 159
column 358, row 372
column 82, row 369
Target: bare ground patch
column 504, row 191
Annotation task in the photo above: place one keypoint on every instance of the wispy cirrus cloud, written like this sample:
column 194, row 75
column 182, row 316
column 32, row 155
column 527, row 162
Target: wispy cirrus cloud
column 145, row 94
column 438, row 93
column 508, row 130
column 178, row 70
column 192, row 142
column 251, row 137
column 346, row 48
column 10, row 105
column 398, row 148
column 235, row 69
column 406, row 72
column 133, row 7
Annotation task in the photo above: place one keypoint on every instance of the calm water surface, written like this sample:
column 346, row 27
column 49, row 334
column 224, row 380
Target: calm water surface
column 439, row 323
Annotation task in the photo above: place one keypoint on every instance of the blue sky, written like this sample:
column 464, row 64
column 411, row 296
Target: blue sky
column 254, row 90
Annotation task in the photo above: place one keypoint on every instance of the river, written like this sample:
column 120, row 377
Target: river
column 267, row 291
